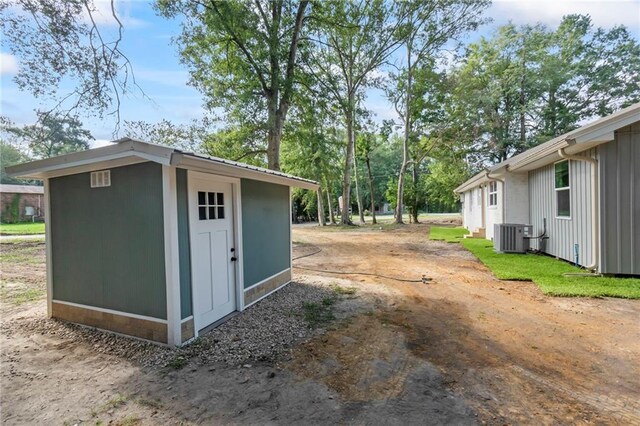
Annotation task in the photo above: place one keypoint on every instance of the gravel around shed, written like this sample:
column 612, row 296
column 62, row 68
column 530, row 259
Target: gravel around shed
column 262, row 332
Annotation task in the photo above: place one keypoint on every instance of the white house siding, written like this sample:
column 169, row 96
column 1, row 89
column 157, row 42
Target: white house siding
column 494, row 213
column 517, row 198
column 563, row 233
column 620, row 203
column 472, row 213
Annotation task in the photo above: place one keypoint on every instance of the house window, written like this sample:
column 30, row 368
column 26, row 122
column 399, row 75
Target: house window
column 493, row 193
column 210, row 205
column 563, row 189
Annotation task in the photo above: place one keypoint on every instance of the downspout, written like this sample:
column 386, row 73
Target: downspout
column 594, row 203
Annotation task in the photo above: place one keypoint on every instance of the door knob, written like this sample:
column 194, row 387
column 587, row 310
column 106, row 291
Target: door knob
column 233, row 259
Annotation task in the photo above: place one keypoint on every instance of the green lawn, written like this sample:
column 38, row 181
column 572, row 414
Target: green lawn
column 547, row 272
column 21, row 228
column 450, row 235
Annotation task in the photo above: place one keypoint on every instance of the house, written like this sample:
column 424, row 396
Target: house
column 21, row 203
column 580, row 191
column 153, row 242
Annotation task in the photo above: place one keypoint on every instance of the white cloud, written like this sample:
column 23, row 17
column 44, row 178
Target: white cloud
column 604, row 13
column 8, row 64
column 103, row 16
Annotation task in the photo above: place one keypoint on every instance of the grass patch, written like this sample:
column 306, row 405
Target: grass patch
column 318, row 314
column 177, row 362
column 547, row 273
column 450, row 235
column 27, row 228
column 17, row 294
column 22, row 252
column 344, row 291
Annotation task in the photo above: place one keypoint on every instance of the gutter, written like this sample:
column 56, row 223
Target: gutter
column 594, row 201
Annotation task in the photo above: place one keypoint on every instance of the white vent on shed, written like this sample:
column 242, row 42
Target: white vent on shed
column 101, row 179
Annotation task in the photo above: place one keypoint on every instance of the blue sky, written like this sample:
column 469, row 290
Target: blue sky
column 147, row 42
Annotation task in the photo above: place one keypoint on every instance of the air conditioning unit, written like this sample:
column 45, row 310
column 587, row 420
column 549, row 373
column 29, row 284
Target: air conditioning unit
column 511, row 237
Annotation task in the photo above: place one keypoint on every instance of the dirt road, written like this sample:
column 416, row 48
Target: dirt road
column 464, row 348
column 514, row 355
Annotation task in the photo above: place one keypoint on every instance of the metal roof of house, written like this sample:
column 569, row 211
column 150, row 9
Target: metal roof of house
column 130, row 151
column 21, row 189
column 581, row 139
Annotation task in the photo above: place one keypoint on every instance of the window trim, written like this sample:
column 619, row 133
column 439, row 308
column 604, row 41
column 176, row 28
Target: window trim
column 564, row 188
column 490, row 193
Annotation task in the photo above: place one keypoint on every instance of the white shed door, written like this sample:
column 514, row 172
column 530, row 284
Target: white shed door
column 212, row 249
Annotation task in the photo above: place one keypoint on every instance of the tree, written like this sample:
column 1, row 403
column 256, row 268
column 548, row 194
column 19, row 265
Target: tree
column 9, row 156
column 60, row 41
column 351, row 41
column 243, row 56
column 311, row 146
column 527, row 84
column 53, row 134
column 426, row 27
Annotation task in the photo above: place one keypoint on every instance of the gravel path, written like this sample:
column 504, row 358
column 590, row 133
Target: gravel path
column 263, row 332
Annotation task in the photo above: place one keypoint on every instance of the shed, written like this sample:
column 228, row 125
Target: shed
column 580, row 190
column 19, row 203
column 157, row 243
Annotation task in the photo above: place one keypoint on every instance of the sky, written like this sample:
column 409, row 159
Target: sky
column 148, row 44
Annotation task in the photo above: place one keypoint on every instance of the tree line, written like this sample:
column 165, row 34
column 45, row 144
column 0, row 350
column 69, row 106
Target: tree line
column 286, row 82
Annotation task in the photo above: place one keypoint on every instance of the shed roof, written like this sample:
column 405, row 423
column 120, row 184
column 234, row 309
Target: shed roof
column 21, row 189
column 581, row 139
column 130, row 151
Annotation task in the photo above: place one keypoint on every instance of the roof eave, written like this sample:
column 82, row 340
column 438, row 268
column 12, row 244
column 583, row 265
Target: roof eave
column 203, row 164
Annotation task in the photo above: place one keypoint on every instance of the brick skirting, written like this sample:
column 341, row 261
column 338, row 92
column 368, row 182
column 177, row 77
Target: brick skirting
column 186, row 330
column 137, row 327
column 267, row 286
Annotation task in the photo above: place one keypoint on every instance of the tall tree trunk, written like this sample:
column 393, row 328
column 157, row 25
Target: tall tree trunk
column 414, row 201
column 273, row 142
column 358, row 196
column 346, row 178
column 373, row 202
column 405, row 141
column 332, row 218
column 321, row 220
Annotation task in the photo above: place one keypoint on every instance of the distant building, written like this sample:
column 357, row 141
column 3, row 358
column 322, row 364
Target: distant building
column 21, row 203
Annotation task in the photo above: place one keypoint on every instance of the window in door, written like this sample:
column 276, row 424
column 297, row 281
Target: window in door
column 210, row 205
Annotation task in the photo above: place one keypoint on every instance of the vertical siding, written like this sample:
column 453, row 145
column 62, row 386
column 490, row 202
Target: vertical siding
column 563, row 233
column 183, row 243
column 620, row 202
column 108, row 243
column 266, row 230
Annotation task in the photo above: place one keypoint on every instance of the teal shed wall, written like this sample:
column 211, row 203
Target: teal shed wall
column 108, row 243
column 266, row 230
column 184, row 248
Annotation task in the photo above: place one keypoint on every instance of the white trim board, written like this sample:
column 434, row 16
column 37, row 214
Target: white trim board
column 111, row 311
column 171, row 255
column 47, row 244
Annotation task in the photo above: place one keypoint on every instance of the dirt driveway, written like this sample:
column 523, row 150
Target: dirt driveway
column 464, row 348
